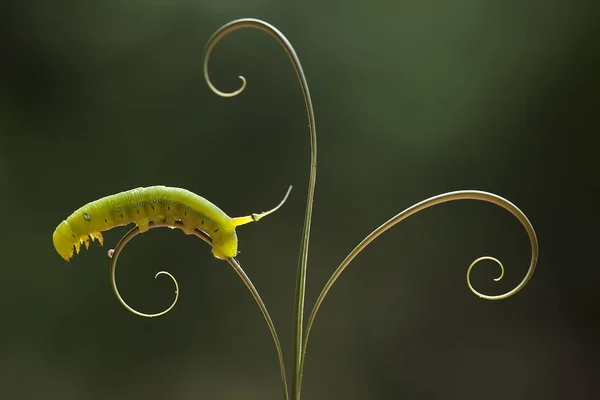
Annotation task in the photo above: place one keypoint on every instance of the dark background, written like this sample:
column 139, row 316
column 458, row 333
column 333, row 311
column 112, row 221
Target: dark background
column 412, row 99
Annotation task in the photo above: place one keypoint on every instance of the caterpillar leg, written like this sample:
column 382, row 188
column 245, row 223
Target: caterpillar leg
column 143, row 225
column 97, row 235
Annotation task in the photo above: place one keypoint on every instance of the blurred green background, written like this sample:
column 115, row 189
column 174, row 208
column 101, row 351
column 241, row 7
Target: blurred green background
column 412, row 99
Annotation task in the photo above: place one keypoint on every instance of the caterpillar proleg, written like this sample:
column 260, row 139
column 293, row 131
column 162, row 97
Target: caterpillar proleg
column 178, row 208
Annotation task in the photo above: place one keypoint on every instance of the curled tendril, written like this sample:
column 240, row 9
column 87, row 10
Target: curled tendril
column 481, row 259
column 303, row 259
column 430, row 202
column 114, row 255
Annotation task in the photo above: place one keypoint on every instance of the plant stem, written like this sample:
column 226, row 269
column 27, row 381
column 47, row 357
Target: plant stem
column 303, row 258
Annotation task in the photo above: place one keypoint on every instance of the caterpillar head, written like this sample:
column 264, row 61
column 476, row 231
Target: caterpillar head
column 224, row 245
column 64, row 241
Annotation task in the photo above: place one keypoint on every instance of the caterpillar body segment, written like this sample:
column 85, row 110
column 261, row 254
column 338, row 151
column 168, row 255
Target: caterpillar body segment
column 176, row 207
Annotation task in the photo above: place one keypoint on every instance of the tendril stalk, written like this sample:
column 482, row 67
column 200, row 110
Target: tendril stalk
column 430, row 202
column 114, row 255
column 303, row 258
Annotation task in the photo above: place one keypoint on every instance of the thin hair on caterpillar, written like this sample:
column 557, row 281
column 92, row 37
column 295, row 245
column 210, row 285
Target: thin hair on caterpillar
column 176, row 207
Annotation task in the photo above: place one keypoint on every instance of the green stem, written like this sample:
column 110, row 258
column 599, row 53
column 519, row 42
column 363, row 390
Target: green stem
column 303, row 258
column 263, row 308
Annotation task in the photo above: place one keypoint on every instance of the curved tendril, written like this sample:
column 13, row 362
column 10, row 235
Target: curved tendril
column 114, row 255
column 432, row 201
column 481, row 259
column 303, row 259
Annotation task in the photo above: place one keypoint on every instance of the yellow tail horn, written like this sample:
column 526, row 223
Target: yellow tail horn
column 255, row 217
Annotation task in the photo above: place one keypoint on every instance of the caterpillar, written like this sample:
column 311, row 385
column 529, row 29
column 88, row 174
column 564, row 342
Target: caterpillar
column 178, row 208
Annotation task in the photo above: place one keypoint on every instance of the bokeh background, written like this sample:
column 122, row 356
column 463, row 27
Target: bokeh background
column 412, row 99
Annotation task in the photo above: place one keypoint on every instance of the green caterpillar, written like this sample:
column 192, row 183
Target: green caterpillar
column 178, row 208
